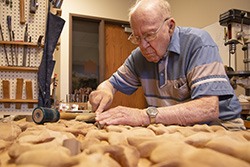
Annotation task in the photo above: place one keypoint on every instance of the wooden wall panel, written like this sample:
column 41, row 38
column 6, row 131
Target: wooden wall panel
column 117, row 49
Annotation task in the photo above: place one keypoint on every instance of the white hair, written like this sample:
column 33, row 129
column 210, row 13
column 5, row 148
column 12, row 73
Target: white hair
column 163, row 4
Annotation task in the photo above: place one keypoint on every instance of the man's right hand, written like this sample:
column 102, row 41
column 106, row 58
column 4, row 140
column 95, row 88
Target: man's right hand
column 102, row 98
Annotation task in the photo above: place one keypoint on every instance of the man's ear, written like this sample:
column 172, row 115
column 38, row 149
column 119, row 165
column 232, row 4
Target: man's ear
column 171, row 26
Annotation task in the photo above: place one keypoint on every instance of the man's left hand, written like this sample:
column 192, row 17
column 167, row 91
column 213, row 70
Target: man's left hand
column 123, row 116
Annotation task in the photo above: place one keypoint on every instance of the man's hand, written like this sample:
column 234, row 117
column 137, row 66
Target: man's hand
column 123, row 116
column 100, row 100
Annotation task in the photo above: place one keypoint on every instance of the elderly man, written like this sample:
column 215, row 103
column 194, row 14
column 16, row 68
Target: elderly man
column 180, row 70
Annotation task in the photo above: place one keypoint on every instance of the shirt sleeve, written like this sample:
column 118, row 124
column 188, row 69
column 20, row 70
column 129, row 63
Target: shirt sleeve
column 207, row 75
column 125, row 79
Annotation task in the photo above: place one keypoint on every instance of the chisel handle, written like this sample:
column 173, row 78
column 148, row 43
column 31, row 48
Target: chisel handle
column 22, row 12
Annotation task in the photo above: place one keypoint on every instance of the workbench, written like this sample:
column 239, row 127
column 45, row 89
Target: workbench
column 77, row 144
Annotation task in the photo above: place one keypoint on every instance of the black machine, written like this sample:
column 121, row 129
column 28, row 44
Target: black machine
column 237, row 33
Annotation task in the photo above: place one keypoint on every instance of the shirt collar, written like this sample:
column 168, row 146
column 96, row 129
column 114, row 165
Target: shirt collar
column 174, row 45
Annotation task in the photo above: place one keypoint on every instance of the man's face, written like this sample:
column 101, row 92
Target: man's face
column 141, row 24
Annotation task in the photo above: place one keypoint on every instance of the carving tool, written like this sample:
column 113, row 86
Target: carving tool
column 9, row 28
column 25, row 46
column 19, row 91
column 33, row 6
column 29, row 93
column 22, row 12
column 6, row 92
column 4, row 46
column 58, row 3
column 29, row 51
column 99, row 126
column 39, row 41
column 15, row 49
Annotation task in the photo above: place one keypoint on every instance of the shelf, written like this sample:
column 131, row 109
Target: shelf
column 18, row 101
column 18, row 69
column 19, row 43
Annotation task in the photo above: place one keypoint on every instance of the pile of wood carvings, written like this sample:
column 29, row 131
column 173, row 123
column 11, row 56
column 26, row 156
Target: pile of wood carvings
column 78, row 144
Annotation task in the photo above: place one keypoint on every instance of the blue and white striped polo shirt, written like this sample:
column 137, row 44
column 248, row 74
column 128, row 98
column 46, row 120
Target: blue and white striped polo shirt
column 191, row 68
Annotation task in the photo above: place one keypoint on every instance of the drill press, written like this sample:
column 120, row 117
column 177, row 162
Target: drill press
column 237, row 33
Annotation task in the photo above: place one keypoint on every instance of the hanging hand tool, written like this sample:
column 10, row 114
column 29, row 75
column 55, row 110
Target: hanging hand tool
column 33, row 6
column 4, row 46
column 22, row 12
column 39, row 41
column 19, row 91
column 6, row 92
column 15, row 49
column 29, row 93
column 29, row 51
column 58, row 4
column 25, row 46
column 9, row 28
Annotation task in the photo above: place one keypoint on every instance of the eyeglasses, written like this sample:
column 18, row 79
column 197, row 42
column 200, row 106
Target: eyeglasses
column 148, row 36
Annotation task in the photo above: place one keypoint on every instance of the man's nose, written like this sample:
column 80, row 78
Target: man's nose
column 143, row 43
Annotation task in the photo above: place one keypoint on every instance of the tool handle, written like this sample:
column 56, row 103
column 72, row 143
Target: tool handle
column 9, row 26
column 4, row 45
column 22, row 12
column 6, row 92
column 26, row 34
column 33, row 6
column 1, row 33
column 13, row 36
column 9, row 22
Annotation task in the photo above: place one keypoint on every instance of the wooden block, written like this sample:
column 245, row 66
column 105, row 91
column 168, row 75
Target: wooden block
column 19, row 91
column 73, row 145
column 29, row 93
column 247, row 124
column 6, row 92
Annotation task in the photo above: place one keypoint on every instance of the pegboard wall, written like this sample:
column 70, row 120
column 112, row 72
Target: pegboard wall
column 36, row 27
column 12, row 78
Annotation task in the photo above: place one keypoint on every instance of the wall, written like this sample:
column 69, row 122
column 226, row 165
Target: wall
column 111, row 9
column 194, row 13
column 201, row 13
